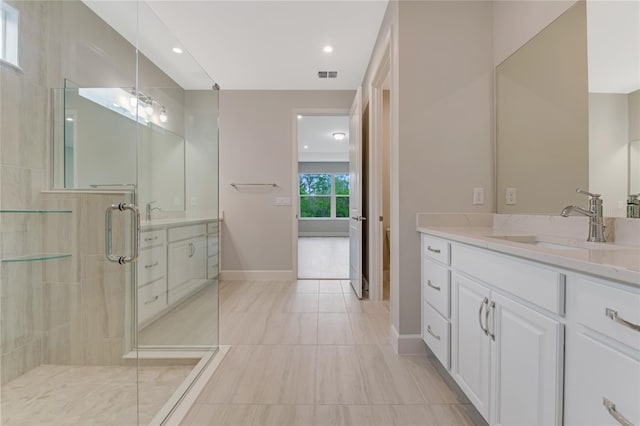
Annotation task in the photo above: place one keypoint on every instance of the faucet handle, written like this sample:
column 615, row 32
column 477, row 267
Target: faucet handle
column 582, row 191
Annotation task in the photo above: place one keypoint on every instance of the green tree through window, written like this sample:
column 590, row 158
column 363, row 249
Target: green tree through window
column 323, row 195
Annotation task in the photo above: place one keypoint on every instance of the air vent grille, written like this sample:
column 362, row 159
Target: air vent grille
column 327, row 74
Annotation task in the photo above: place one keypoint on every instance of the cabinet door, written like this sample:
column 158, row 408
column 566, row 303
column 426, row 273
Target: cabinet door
column 178, row 255
column 470, row 345
column 526, row 365
column 197, row 259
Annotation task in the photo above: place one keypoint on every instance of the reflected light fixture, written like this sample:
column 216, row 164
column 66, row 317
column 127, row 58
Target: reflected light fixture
column 163, row 115
column 69, row 119
column 306, row 147
column 299, row 117
column 339, row 136
column 327, row 49
column 177, row 50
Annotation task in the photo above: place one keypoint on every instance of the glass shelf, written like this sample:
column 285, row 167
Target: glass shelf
column 35, row 257
column 35, row 211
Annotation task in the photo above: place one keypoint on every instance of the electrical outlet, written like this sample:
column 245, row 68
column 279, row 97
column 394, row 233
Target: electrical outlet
column 510, row 197
column 478, row 196
column 283, row 201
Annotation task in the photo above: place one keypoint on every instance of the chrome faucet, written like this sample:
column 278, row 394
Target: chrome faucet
column 149, row 209
column 596, row 220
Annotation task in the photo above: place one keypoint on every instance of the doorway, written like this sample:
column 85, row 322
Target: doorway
column 323, row 196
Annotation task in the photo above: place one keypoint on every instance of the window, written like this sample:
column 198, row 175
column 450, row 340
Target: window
column 8, row 34
column 324, row 195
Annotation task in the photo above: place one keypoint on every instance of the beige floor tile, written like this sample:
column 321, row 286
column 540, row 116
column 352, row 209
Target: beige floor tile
column 400, row 415
column 323, row 257
column 331, row 302
column 301, row 302
column 344, row 415
column 220, row 415
column 227, row 377
column 352, row 302
column 432, row 386
column 364, row 329
column 289, row 376
column 339, row 378
column 243, row 328
column 305, row 286
column 284, row 415
column 346, row 286
column 386, row 378
column 330, row 286
column 290, row 329
column 450, row 415
column 334, row 329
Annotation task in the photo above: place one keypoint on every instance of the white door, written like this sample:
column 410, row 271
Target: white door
column 526, row 357
column 355, row 194
column 470, row 361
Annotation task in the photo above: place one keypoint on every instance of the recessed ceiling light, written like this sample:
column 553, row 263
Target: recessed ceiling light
column 177, row 50
column 339, row 135
column 306, row 147
column 327, row 49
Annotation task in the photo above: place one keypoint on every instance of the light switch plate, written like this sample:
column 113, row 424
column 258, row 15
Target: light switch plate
column 283, row 201
column 510, row 197
column 478, row 196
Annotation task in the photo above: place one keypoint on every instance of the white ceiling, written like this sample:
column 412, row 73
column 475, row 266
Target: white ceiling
column 613, row 36
column 315, row 132
column 276, row 44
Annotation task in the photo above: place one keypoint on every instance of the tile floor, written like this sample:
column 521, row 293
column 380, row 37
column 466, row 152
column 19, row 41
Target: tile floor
column 310, row 353
column 323, row 257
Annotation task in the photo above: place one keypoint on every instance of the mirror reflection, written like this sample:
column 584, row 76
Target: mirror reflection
column 568, row 112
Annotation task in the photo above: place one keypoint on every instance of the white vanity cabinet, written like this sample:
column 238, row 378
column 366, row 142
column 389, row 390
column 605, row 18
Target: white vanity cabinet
column 152, row 271
column 187, row 257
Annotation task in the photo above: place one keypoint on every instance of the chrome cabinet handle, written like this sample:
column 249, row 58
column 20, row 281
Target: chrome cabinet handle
column 433, row 286
column 192, row 249
column 491, row 307
column 432, row 333
column 122, row 260
column 614, row 316
column 151, row 266
column 146, row 240
column 485, row 302
column 153, row 299
column 611, row 408
column 433, row 250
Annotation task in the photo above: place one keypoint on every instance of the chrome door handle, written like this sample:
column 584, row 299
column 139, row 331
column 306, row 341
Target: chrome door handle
column 485, row 302
column 491, row 307
column 433, row 286
column 432, row 333
column 122, row 260
column 611, row 408
column 433, row 250
column 614, row 316
column 359, row 218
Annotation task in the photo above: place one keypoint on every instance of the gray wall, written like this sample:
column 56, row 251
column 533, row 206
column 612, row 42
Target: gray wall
column 319, row 227
column 256, row 145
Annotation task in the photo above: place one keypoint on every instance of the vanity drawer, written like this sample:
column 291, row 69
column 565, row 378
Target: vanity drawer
column 152, row 299
column 596, row 371
column 152, row 264
column 212, row 228
column 606, row 309
column 533, row 283
column 435, row 248
column 186, row 232
column 436, row 286
column 435, row 333
column 152, row 238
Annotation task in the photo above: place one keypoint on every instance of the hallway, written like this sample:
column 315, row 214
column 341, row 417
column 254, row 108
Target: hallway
column 307, row 354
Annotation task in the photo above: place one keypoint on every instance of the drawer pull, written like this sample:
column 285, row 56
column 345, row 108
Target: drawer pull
column 433, row 250
column 146, row 240
column 432, row 286
column 485, row 302
column 611, row 408
column 153, row 299
column 491, row 307
column 432, row 333
column 150, row 266
column 614, row 316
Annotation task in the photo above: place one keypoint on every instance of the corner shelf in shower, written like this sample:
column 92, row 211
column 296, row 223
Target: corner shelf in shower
column 33, row 257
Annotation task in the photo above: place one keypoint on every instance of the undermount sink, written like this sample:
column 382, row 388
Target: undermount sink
column 536, row 241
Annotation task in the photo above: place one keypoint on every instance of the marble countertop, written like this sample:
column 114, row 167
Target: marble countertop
column 175, row 221
column 620, row 262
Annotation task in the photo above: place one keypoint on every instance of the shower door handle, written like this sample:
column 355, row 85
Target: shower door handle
column 135, row 252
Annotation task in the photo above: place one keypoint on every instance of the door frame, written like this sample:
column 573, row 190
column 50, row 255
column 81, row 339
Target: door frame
column 376, row 209
column 295, row 208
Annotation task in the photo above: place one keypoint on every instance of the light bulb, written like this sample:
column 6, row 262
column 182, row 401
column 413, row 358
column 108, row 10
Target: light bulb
column 163, row 116
column 339, row 135
column 328, row 49
column 149, row 109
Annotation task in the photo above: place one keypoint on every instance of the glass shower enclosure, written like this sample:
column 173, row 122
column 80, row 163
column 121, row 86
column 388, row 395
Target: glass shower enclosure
column 108, row 218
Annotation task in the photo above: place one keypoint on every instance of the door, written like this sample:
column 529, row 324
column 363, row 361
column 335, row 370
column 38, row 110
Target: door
column 470, row 343
column 355, row 195
column 526, row 364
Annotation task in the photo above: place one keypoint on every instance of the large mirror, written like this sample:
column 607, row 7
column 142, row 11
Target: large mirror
column 568, row 112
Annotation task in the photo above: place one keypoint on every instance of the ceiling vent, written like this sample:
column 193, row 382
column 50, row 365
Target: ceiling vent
column 327, row 74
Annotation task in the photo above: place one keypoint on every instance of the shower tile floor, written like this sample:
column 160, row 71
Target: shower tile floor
column 78, row 395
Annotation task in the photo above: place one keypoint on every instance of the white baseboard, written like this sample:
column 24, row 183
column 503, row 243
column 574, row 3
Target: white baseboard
column 257, row 275
column 407, row 344
column 323, row 234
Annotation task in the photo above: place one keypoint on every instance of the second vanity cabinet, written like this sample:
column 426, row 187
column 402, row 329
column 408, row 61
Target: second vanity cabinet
column 187, row 254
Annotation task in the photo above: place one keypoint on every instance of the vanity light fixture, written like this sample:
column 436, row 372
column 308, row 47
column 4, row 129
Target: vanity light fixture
column 163, row 115
column 177, row 50
column 339, row 136
column 327, row 49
